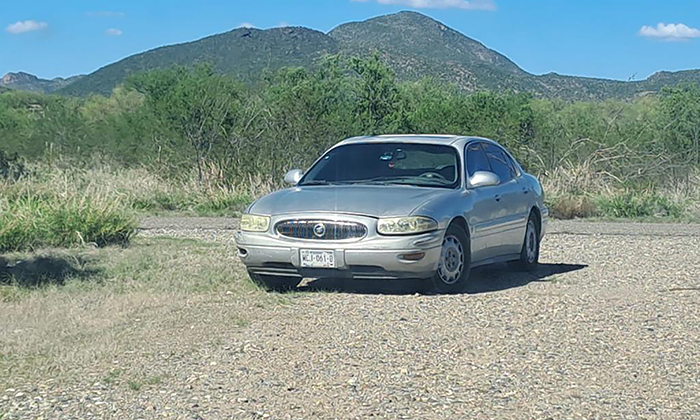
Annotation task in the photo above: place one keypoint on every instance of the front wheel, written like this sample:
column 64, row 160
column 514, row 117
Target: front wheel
column 530, row 254
column 272, row 283
column 455, row 262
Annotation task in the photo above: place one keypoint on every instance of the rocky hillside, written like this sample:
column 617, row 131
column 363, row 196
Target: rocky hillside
column 26, row 81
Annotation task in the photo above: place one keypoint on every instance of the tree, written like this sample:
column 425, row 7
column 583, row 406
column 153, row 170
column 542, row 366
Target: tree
column 198, row 104
column 378, row 101
column 680, row 119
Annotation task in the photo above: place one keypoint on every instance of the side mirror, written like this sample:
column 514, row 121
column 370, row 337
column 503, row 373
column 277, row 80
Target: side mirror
column 293, row 177
column 484, row 179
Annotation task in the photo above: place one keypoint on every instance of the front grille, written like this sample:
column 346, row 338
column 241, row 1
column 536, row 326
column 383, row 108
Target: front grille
column 329, row 230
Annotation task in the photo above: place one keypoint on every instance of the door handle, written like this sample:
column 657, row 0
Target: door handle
column 525, row 190
column 498, row 197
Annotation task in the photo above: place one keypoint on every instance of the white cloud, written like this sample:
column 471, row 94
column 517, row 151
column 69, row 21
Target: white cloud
column 283, row 24
column 106, row 14
column 26, row 26
column 246, row 25
column 488, row 5
column 114, row 32
column 670, row 32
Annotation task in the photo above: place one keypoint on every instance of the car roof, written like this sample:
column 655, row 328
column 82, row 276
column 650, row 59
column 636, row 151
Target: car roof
column 446, row 139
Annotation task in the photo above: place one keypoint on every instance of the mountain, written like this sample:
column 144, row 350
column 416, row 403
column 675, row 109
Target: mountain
column 26, row 81
column 244, row 52
column 415, row 46
column 412, row 44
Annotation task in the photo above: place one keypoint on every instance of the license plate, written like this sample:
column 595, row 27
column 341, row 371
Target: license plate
column 317, row 259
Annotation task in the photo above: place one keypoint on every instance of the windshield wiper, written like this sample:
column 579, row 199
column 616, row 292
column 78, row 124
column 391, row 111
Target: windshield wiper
column 355, row 181
column 405, row 180
column 315, row 182
column 383, row 180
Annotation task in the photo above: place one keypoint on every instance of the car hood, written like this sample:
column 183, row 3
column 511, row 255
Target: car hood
column 367, row 200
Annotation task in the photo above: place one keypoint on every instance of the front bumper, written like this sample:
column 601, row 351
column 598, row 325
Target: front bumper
column 373, row 257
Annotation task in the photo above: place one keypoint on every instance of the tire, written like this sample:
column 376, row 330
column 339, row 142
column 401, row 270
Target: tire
column 453, row 270
column 274, row 284
column 530, row 253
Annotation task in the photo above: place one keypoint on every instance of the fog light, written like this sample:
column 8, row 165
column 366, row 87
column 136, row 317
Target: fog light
column 242, row 252
column 416, row 256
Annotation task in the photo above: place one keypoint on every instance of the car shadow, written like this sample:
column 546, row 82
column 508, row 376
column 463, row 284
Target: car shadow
column 497, row 277
column 490, row 278
column 42, row 270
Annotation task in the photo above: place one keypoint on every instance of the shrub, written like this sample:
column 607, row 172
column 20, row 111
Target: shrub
column 55, row 208
column 632, row 204
column 31, row 221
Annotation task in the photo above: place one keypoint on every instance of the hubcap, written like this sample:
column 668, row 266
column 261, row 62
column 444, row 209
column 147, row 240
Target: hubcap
column 531, row 242
column 451, row 260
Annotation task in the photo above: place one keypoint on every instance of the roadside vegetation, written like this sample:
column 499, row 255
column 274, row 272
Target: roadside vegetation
column 82, row 170
column 54, row 209
column 66, row 203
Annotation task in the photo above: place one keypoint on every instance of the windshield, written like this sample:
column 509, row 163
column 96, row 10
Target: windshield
column 425, row 165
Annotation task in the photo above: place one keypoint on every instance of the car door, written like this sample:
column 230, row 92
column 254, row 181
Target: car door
column 485, row 206
column 508, row 223
column 522, row 204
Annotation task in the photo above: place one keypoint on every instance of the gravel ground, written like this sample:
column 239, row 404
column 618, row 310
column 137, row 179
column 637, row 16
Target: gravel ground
column 608, row 327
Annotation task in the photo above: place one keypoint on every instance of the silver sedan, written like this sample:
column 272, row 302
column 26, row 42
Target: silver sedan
column 393, row 207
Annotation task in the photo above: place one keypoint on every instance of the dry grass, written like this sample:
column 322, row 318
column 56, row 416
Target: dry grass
column 144, row 190
column 99, row 307
column 572, row 207
column 582, row 191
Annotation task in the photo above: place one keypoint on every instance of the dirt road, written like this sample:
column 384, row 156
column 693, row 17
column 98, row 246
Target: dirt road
column 608, row 327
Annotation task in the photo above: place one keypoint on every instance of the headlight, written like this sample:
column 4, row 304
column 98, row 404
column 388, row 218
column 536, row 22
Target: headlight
column 254, row 223
column 406, row 225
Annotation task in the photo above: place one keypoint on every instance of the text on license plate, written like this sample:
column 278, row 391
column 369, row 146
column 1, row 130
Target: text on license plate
column 317, row 259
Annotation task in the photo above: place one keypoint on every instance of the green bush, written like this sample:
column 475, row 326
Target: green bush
column 55, row 207
column 632, row 204
column 31, row 222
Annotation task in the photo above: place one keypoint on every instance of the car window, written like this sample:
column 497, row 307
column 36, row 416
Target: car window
column 476, row 159
column 513, row 165
column 499, row 162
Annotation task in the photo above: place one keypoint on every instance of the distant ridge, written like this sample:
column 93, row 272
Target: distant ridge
column 244, row 52
column 412, row 44
column 26, row 81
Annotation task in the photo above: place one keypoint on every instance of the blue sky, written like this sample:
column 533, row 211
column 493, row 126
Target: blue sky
column 617, row 39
